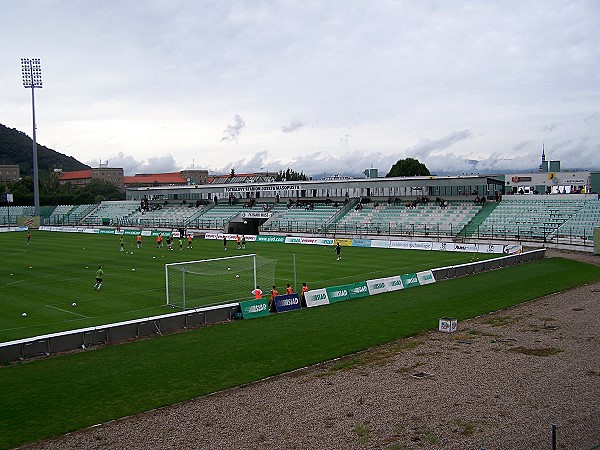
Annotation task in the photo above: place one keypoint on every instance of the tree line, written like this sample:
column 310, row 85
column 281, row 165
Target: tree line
column 52, row 193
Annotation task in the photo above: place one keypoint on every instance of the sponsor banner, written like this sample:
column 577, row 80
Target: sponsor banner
column 412, row 245
column 425, row 277
column 131, row 232
column 443, row 246
column 107, row 231
column 147, row 233
column 402, row 245
column 91, row 230
column 316, row 297
column 421, row 245
column 162, row 233
column 229, row 237
column 465, row 247
column 254, row 308
column 176, row 234
column 287, row 302
column 344, row 242
column 490, row 248
column 256, row 215
column 309, row 241
column 357, row 290
column 361, row 242
column 409, row 280
column 376, row 286
column 337, row 293
column 269, row 188
column 261, row 238
column 513, row 248
column 380, row 244
column 9, row 229
column 317, row 241
column 393, row 283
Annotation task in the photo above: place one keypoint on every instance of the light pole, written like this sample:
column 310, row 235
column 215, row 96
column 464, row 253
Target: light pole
column 32, row 78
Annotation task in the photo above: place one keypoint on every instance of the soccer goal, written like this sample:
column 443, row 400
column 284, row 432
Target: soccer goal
column 194, row 284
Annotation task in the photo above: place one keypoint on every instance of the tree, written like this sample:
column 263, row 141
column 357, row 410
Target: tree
column 290, row 175
column 101, row 190
column 408, row 167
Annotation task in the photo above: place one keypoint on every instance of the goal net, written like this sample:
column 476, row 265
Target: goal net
column 194, row 284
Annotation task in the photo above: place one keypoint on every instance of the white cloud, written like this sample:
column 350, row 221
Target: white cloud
column 372, row 82
column 232, row 132
column 155, row 164
column 294, row 125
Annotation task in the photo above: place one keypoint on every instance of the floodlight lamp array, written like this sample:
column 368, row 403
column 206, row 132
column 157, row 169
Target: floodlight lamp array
column 31, row 70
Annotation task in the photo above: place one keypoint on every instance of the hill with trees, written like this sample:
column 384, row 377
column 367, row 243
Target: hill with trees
column 16, row 148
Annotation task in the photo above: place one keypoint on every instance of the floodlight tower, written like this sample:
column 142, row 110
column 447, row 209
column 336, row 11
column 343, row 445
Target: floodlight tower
column 32, row 78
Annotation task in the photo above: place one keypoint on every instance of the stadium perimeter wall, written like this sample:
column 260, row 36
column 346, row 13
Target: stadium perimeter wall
column 46, row 345
column 84, row 338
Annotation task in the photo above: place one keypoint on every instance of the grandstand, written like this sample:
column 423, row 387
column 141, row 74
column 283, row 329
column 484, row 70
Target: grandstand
column 441, row 219
column 165, row 216
column 9, row 214
column 304, row 218
column 546, row 218
column 113, row 212
column 402, row 207
column 582, row 223
column 218, row 217
column 69, row 214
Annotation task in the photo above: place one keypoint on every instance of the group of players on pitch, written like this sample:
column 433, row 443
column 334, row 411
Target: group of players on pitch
column 159, row 241
column 258, row 294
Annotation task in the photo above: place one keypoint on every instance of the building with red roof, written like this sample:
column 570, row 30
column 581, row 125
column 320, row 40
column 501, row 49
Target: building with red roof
column 83, row 177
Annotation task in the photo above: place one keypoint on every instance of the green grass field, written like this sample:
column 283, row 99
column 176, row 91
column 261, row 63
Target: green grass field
column 57, row 269
column 52, row 396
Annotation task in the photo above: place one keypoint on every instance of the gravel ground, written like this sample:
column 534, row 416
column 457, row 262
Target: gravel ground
column 500, row 382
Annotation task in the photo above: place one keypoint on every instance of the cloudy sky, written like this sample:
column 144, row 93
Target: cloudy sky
column 323, row 87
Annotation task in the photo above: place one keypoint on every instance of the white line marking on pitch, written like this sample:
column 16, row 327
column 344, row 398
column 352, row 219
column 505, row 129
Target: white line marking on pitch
column 67, row 311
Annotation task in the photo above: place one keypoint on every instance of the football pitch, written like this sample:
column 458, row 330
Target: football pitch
column 44, row 279
column 51, row 396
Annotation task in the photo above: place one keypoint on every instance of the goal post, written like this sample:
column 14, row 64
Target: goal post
column 207, row 282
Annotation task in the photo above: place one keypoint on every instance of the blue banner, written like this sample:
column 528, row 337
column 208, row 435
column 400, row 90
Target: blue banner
column 287, row 302
column 361, row 242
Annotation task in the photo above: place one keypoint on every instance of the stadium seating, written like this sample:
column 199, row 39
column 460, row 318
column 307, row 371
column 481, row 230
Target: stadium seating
column 9, row 214
column 111, row 212
column 60, row 215
column 542, row 218
column 303, row 218
column 165, row 216
column 217, row 216
column 549, row 218
column 424, row 219
column 582, row 223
